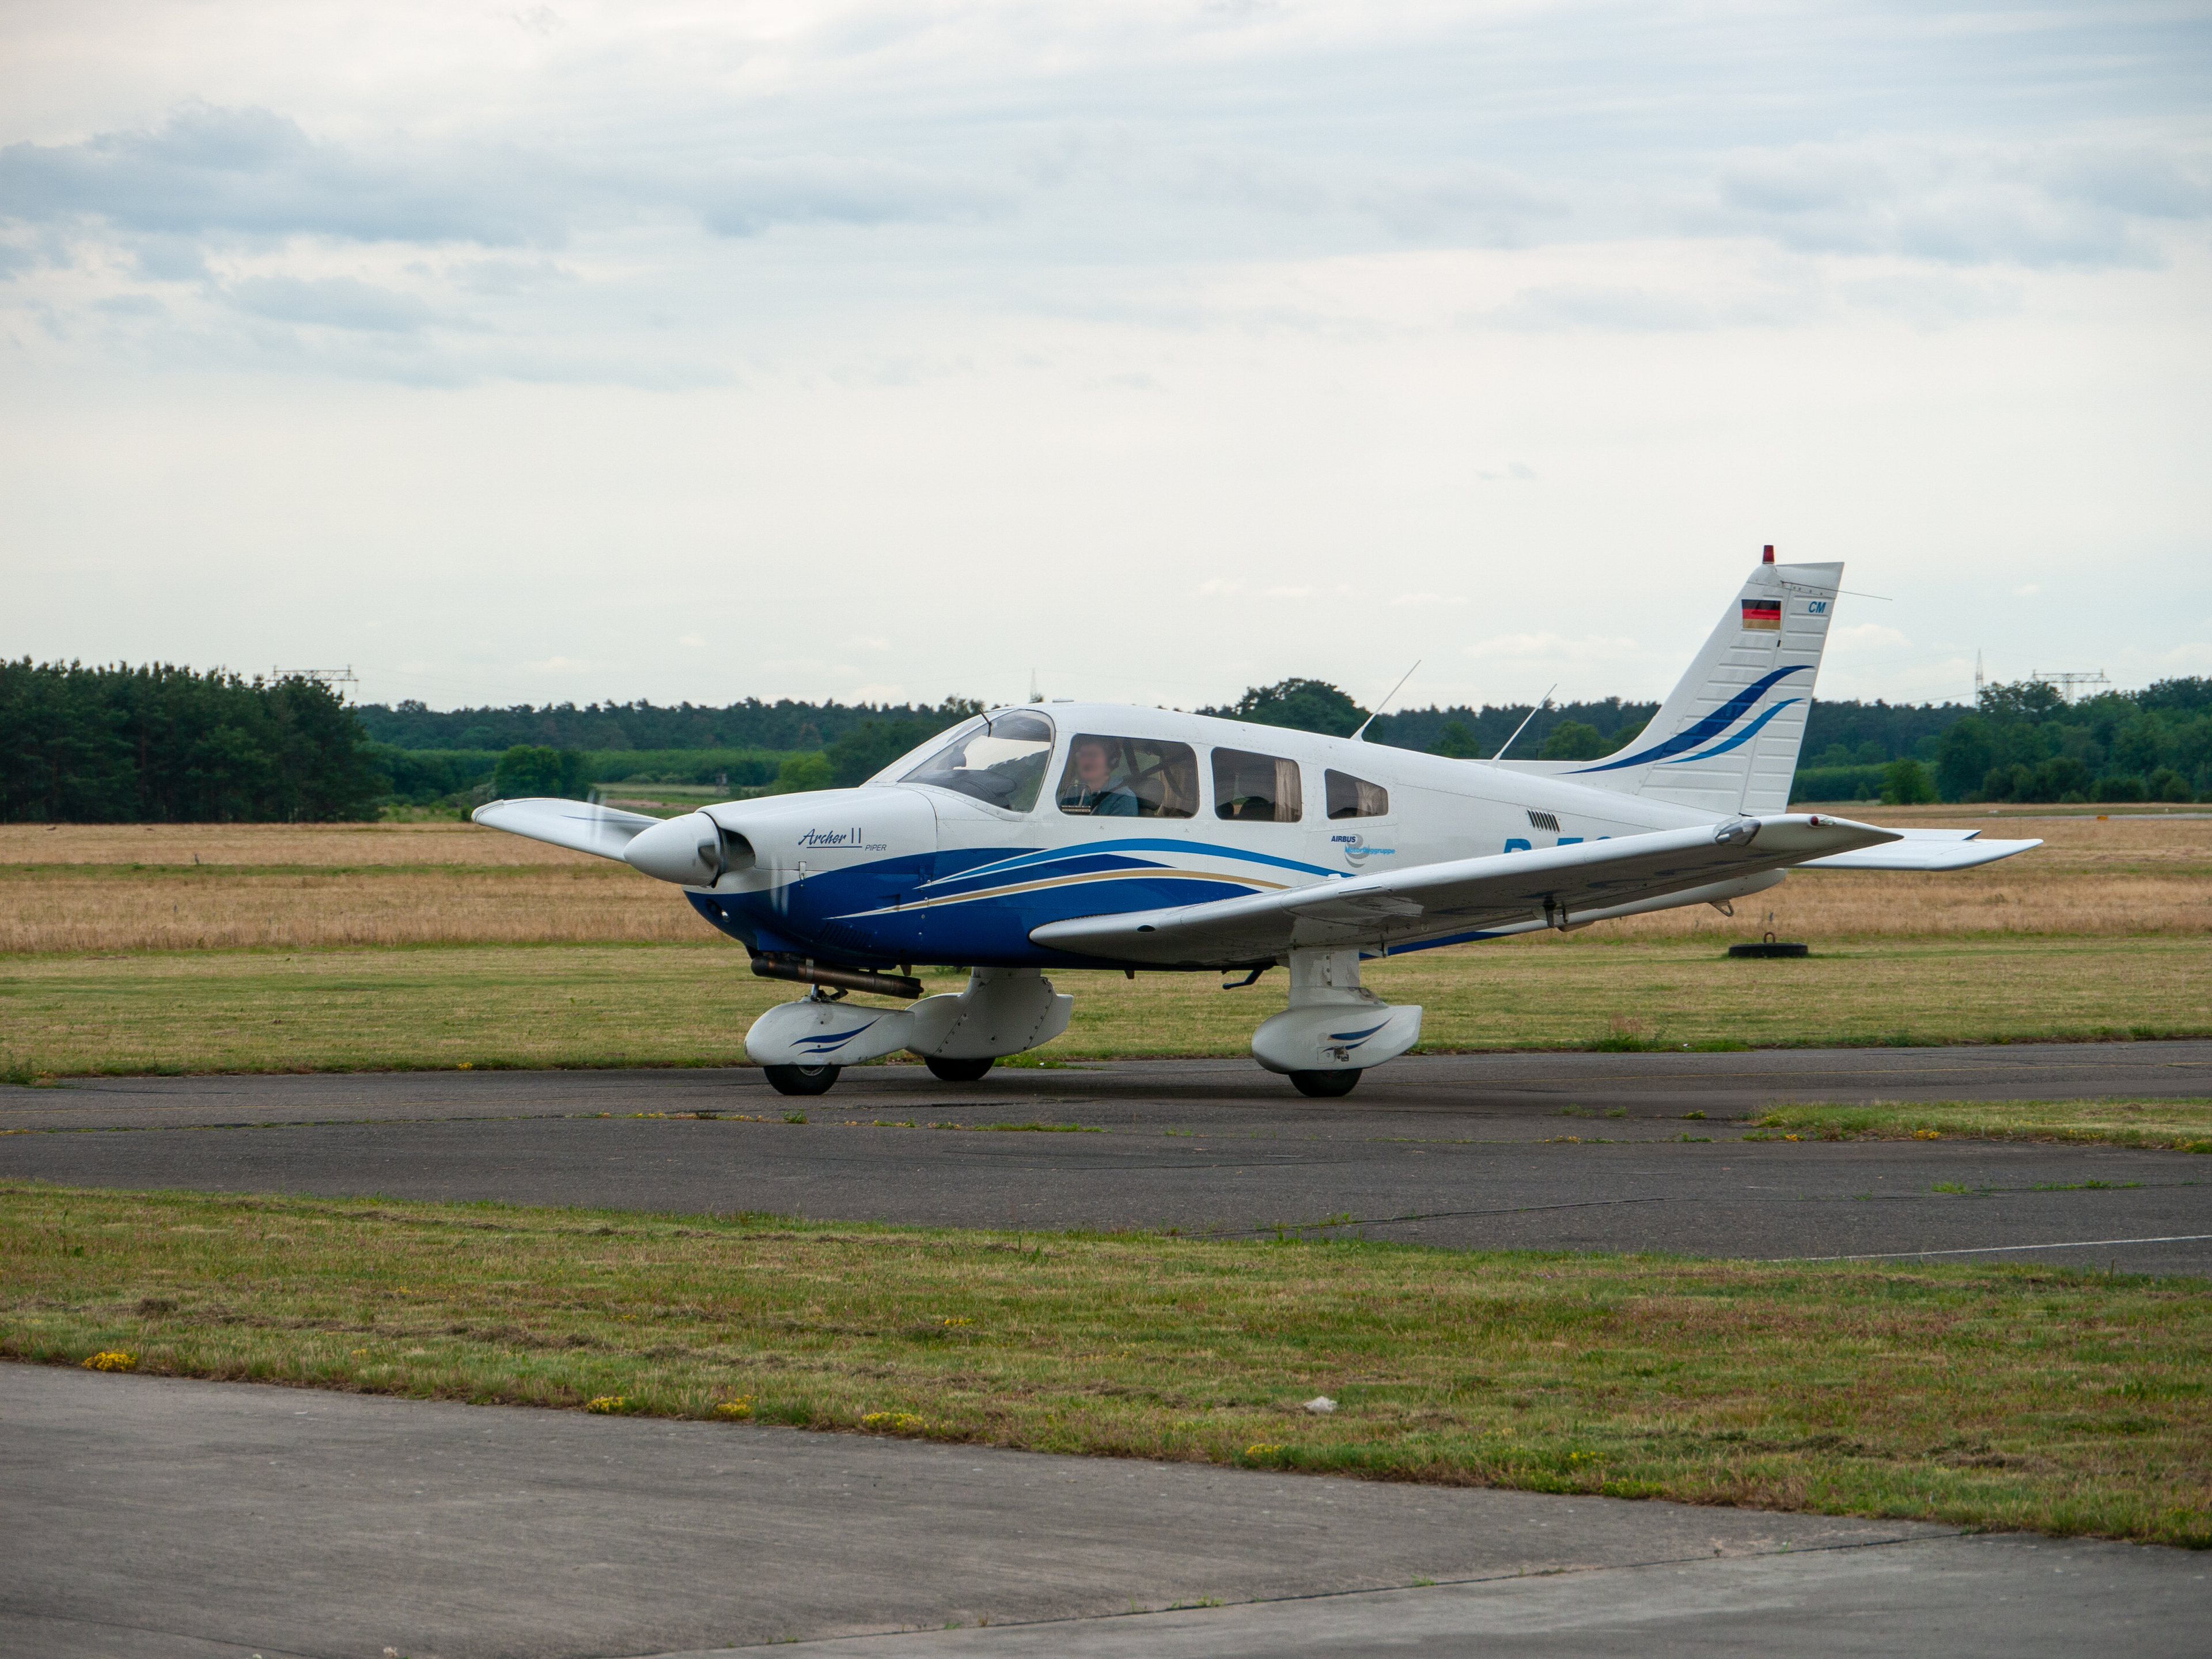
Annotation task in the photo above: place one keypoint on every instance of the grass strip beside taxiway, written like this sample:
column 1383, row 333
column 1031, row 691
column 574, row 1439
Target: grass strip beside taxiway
column 676, row 1005
column 1985, row 1395
column 2179, row 1125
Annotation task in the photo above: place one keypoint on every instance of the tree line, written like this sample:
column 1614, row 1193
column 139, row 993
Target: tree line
column 161, row 742
column 2026, row 743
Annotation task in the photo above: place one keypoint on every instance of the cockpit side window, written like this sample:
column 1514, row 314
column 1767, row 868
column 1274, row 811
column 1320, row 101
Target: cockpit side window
column 1001, row 760
column 1128, row 778
column 1256, row 788
column 1355, row 797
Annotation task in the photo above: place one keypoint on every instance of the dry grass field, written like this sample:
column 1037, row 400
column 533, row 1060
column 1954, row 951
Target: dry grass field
column 1986, row 1396
column 311, row 887
column 199, row 887
column 256, row 945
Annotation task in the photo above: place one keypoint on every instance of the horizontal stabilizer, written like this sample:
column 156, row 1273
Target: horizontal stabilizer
column 1924, row 850
column 576, row 824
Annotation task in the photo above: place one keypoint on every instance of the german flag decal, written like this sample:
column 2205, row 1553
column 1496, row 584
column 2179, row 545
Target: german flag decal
column 1763, row 613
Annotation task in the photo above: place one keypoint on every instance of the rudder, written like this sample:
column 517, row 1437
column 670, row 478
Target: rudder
column 1727, row 738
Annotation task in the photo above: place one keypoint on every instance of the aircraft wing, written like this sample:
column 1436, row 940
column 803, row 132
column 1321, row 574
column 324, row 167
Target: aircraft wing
column 578, row 825
column 1926, row 849
column 1584, row 881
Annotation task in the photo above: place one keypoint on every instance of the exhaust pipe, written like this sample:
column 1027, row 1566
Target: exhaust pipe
column 775, row 965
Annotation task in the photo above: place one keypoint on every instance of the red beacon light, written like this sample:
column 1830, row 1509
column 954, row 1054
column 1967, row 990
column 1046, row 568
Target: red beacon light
column 1767, row 557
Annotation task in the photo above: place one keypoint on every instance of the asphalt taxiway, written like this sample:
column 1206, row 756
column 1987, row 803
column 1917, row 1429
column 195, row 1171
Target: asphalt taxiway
column 1555, row 1151
column 153, row 1516
column 156, row 1516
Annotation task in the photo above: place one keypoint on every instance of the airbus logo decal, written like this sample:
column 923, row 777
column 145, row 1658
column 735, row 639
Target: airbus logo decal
column 1356, row 849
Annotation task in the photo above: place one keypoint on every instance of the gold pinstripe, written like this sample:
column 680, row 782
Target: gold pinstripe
column 1168, row 871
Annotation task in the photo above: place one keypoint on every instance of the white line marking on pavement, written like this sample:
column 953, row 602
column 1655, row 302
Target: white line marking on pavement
column 2000, row 1249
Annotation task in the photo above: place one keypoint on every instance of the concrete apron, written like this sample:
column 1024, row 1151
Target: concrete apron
column 159, row 1515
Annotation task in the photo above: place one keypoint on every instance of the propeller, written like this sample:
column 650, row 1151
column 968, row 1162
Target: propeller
column 691, row 850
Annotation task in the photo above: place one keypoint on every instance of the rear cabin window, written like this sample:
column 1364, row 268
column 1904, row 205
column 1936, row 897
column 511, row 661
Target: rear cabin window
column 1355, row 797
column 1128, row 778
column 1256, row 788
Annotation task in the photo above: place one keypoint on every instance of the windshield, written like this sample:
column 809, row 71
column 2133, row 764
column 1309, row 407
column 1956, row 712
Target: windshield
column 1000, row 759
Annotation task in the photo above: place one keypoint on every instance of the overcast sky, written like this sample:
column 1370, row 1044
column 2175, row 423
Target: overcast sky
column 684, row 350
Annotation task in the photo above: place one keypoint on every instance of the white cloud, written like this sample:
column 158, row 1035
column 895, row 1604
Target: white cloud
column 2027, row 592
column 2191, row 657
column 1083, row 333
column 331, row 302
column 254, row 172
column 1590, row 648
column 2072, row 202
column 1863, row 636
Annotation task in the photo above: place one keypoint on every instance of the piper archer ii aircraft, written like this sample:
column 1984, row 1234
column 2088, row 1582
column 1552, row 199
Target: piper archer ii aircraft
column 1075, row 835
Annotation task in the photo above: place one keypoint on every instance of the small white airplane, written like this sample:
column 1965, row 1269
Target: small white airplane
column 1078, row 835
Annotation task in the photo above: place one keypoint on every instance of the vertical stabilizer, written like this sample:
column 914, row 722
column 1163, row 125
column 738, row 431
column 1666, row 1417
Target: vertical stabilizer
column 1726, row 739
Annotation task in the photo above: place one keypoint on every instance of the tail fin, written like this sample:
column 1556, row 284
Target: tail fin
column 1726, row 739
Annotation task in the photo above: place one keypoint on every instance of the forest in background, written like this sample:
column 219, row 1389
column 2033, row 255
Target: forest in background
column 162, row 744
column 159, row 742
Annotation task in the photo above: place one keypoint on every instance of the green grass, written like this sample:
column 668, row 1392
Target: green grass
column 684, row 1004
column 1980, row 1395
column 2182, row 1125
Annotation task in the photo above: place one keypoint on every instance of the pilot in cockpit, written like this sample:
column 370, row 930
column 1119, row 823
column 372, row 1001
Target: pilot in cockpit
column 1094, row 789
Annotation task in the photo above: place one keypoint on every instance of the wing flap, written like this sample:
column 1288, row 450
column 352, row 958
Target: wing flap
column 578, row 825
column 1435, row 901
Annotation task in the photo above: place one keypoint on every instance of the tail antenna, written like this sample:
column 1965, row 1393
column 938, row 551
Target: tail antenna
column 1360, row 735
column 1541, row 703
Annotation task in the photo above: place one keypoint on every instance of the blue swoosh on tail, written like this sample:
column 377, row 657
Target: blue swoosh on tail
column 1742, row 737
column 1705, row 730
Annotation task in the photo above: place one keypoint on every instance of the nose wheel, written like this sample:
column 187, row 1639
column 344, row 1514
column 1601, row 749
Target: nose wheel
column 800, row 1079
column 957, row 1071
column 1325, row 1086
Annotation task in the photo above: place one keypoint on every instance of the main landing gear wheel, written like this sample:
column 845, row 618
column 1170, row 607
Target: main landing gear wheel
column 957, row 1071
column 1326, row 1085
column 800, row 1079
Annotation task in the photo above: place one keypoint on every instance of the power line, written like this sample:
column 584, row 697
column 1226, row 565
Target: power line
column 333, row 677
column 2068, row 685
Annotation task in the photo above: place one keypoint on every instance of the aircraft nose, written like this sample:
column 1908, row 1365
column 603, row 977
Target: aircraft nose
column 687, row 850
